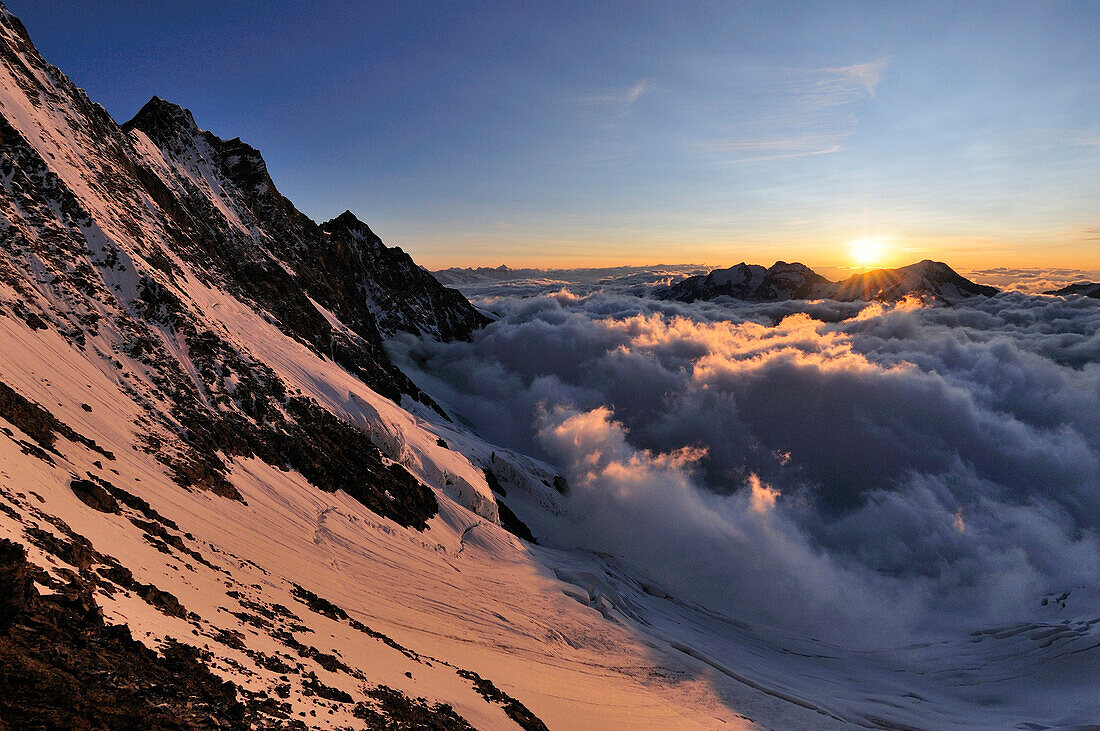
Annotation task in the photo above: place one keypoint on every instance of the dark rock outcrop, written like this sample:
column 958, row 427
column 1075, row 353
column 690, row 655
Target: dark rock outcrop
column 740, row 282
column 61, row 666
column 94, row 496
column 401, row 294
column 1087, row 289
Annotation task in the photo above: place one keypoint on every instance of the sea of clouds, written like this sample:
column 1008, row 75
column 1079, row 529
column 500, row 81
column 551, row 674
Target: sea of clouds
column 865, row 472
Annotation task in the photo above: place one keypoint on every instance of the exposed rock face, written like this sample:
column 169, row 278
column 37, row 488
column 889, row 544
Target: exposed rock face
column 341, row 264
column 281, row 259
column 929, row 280
column 1088, row 289
column 63, row 667
column 740, row 282
column 132, row 240
column 398, row 292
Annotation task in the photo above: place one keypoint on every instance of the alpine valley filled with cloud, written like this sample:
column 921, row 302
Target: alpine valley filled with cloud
column 262, row 472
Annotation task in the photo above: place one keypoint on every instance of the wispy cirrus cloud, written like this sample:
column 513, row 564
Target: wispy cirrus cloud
column 603, row 116
column 621, row 97
column 743, row 150
column 788, row 113
column 1047, row 138
column 1075, row 137
column 736, row 116
column 859, row 77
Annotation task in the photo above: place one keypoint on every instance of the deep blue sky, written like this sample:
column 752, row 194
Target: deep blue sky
column 538, row 133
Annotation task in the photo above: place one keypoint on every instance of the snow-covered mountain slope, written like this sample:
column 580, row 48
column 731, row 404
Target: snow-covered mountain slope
column 223, row 506
column 309, row 602
column 926, row 280
column 211, row 472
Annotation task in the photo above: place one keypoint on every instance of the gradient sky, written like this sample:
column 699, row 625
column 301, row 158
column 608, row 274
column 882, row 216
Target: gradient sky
column 566, row 134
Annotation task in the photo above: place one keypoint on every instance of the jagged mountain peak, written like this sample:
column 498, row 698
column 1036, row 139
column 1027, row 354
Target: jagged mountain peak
column 739, row 281
column 931, row 280
column 792, row 280
column 347, row 218
column 159, row 117
column 173, row 128
column 341, row 264
column 8, row 20
column 928, row 279
column 245, row 166
column 401, row 295
column 1088, row 289
column 737, row 271
column 348, row 221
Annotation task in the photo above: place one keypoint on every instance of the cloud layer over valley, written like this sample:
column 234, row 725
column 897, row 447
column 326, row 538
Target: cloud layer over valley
column 868, row 472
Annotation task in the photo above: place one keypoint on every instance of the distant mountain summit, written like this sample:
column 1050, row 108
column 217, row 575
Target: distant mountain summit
column 471, row 275
column 740, row 282
column 782, row 281
column 1088, row 289
column 929, row 280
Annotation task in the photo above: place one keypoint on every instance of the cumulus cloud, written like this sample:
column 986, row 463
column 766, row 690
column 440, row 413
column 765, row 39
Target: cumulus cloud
column 726, row 552
column 859, row 469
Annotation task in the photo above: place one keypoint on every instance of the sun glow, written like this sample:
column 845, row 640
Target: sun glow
column 866, row 252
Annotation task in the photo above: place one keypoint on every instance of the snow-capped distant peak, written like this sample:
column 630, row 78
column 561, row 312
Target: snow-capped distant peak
column 782, row 281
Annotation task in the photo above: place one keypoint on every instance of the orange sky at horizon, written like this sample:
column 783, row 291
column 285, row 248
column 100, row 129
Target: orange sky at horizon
column 1077, row 250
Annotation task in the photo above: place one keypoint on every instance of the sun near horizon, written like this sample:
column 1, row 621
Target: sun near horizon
column 866, row 253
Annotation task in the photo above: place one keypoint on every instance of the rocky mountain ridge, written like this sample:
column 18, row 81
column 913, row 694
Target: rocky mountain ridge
column 113, row 235
column 1087, row 289
column 928, row 280
column 341, row 264
column 172, row 326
